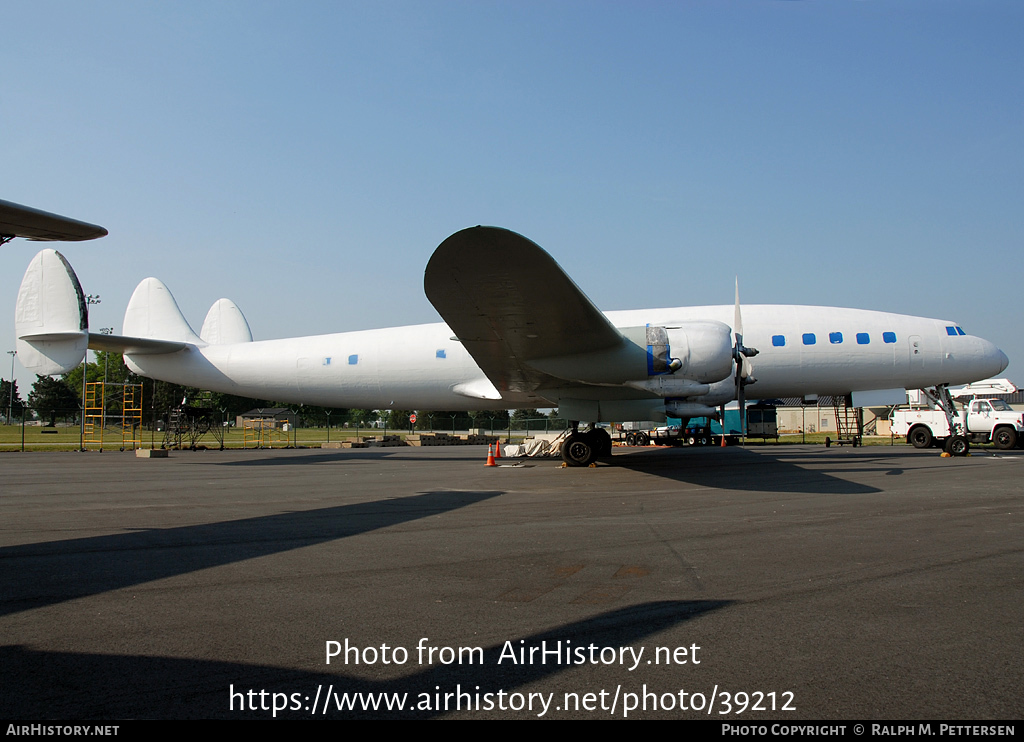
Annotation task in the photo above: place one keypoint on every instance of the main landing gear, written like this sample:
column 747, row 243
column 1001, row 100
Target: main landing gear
column 580, row 449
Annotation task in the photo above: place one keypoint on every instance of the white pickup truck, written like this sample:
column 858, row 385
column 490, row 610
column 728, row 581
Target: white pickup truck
column 984, row 420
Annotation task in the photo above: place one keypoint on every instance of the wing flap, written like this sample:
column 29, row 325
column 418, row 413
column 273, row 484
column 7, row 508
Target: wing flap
column 509, row 302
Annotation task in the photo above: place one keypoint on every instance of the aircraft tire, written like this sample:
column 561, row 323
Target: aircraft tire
column 601, row 441
column 920, row 437
column 1005, row 438
column 957, row 445
column 578, row 450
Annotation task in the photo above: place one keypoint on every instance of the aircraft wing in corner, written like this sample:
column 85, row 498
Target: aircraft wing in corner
column 24, row 221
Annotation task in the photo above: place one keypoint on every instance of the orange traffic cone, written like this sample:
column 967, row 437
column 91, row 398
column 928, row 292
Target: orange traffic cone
column 490, row 457
column 497, row 449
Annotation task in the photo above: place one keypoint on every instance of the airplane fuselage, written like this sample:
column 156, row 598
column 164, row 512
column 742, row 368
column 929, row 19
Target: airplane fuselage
column 803, row 351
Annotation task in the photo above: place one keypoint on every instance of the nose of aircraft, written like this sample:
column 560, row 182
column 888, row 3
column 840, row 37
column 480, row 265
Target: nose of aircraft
column 992, row 361
column 1002, row 360
column 976, row 359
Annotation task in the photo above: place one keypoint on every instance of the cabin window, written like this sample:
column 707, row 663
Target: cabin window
column 888, row 337
column 327, row 361
column 809, row 338
column 778, row 340
column 440, row 354
column 835, row 337
column 863, row 338
column 353, row 360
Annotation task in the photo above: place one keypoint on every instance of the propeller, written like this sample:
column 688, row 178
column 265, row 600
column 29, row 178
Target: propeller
column 741, row 354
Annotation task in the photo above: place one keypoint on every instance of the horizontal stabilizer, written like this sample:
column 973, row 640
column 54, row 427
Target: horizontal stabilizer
column 152, row 313
column 51, row 320
column 24, row 221
column 225, row 324
column 133, row 346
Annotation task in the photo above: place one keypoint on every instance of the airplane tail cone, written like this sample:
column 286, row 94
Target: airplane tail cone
column 490, row 457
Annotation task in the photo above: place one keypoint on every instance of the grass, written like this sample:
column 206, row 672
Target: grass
column 68, row 438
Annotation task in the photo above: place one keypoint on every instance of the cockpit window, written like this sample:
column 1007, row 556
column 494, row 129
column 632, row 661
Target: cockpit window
column 960, row 330
column 950, row 330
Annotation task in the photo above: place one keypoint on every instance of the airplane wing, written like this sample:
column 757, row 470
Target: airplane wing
column 23, row 221
column 510, row 303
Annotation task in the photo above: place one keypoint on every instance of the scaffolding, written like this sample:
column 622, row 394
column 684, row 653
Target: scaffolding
column 187, row 425
column 265, row 432
column 849, row 420
column 96, row 416
column 92, row 430
column 131, row 416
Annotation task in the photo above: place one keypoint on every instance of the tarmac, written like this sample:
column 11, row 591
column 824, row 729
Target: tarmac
column 777, row 582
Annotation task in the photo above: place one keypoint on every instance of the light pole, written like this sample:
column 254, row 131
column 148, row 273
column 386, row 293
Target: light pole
column 10, row 406
column 90, row 299
column 106, row 359
column 106, row 355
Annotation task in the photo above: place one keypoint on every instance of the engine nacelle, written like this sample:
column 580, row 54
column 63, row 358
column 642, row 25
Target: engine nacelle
column 721, row 392
column 699, row 351
column 704, row 349
column 687, row 410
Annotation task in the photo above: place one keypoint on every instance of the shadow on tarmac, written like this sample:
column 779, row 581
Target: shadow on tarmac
column 273, row 458
column 735, row 468
column 41, row 574
column 71, row 686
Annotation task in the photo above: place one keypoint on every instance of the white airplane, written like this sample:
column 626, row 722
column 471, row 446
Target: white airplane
column 518, row 333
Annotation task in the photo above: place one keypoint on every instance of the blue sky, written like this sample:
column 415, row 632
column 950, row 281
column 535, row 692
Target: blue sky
column 304, row 159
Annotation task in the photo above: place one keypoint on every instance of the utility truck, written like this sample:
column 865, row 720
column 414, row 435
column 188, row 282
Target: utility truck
column 940, row 423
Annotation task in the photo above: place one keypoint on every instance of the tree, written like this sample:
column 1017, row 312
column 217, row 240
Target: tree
column 50, row 395
column 362, row 418
column 398, row 419
column 14, row 410
column 520, row 418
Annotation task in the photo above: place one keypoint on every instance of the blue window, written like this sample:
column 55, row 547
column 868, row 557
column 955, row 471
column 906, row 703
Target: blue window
column 835, row 337
column 809, row 338
column 888, row 337
column 327, row 361
column 778, row 340
column 951, row 331
column 353, row 360
column 862, row 338
column 440, row 354
column 960, row 330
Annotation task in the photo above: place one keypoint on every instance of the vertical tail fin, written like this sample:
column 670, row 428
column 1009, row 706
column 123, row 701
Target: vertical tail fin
column 153, row 313
column 51, row 318
column 225, row 324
